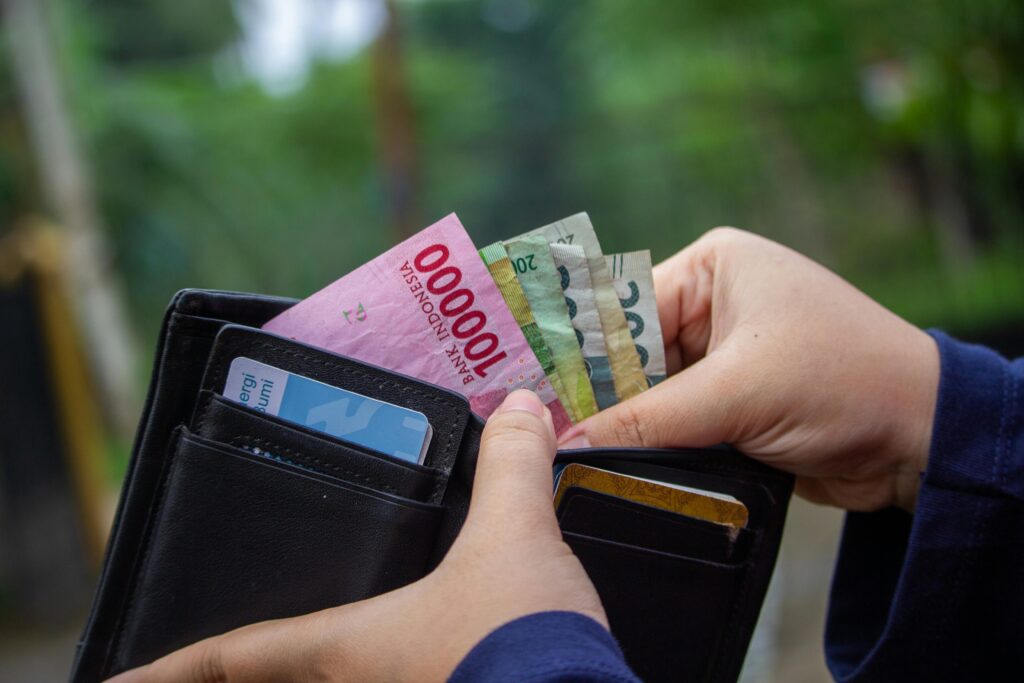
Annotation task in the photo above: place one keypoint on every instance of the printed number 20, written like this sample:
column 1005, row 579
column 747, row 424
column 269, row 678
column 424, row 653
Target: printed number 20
column 523, row 264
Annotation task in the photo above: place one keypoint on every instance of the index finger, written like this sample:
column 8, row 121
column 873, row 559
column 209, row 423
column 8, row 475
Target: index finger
column 269, row 651
column 684, row 287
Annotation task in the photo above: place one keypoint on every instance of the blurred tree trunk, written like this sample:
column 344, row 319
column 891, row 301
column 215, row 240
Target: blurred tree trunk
column 67, row 191
column 396, row 125
column 799, row 213
column 937, row 203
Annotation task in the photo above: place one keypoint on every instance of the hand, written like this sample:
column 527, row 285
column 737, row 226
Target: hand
column 508, row 561
column 792, row 365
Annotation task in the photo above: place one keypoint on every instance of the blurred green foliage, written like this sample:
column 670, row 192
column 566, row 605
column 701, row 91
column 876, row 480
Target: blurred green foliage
column 885, row 139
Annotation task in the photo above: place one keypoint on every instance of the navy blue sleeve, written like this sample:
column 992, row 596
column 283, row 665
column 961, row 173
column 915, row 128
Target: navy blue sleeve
column 939, row 595
column 548, row 646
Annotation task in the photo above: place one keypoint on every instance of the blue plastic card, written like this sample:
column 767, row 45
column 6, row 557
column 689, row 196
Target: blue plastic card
column 382, row 426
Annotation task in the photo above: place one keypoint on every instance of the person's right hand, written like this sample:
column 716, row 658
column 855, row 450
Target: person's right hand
column 790, row 364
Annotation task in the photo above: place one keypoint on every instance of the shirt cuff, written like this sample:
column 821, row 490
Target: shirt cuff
column 547, row 646
column 901, row 603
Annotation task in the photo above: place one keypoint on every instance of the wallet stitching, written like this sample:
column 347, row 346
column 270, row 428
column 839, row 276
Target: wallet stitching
column 115, row 650
column 243, row 440
column 445, row 452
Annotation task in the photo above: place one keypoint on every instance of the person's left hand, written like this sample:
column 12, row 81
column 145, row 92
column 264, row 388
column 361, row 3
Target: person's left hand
column 508, row 561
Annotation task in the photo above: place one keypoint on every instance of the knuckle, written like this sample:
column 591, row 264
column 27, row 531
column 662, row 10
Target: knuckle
column 626, row 426
column 515, row 426
column 208, row 665
column 723, row 232
column 726, row 235
column 516, row 442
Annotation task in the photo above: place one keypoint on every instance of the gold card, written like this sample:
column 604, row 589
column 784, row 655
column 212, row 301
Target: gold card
column 711, row 506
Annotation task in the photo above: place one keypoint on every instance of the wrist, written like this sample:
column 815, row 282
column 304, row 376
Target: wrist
column 917, row 418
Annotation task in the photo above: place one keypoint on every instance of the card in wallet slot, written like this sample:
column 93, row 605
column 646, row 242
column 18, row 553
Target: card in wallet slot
column 600, row 515
column 706, row 504
column 224, row 421
column 447, row 412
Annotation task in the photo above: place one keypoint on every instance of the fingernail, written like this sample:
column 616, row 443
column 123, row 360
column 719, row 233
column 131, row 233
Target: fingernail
column 525, row 400
column 573, row 438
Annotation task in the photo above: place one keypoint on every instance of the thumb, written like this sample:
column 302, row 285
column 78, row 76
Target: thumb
column 513, row 484
column 696, row 407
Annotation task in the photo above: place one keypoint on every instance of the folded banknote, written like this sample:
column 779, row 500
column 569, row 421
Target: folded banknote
column 633, row 280
column 504, row 274
column 627, row 374
column 535, row 269
column 571, row 262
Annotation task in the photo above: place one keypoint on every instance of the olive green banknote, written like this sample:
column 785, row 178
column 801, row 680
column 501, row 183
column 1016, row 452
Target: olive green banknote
column 534, row 267
column 496, row 258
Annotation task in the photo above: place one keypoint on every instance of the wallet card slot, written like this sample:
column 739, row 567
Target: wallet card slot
column 239, row 538
column 627, row 522
column 670, row 614
column 757, row 496
column 447, row 412
column 222, row 420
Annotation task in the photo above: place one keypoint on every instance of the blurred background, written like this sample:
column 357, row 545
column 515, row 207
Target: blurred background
column 273, row 145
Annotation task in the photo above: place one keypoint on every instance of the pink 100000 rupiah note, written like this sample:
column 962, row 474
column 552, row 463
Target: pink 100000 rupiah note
column 427, row 308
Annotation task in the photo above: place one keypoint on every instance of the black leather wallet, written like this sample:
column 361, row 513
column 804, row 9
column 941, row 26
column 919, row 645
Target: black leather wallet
column 210, row 535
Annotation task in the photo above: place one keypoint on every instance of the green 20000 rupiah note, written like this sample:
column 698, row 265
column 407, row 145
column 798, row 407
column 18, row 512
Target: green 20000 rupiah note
column 634, row 283
column 627, row 373
column 531, row 259
column 571, row 262
column 496, row 258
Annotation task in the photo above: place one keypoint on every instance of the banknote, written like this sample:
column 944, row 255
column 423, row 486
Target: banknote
column 627, row 373
column 496, row 258
column 531, row 259
column 427, row 308
column 571, row 263
column 634, row 283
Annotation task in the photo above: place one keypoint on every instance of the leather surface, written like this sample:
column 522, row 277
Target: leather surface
column 671, row 614
column 596, row 514
column 240, row 538
column 223, row 421
column 209, row 535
